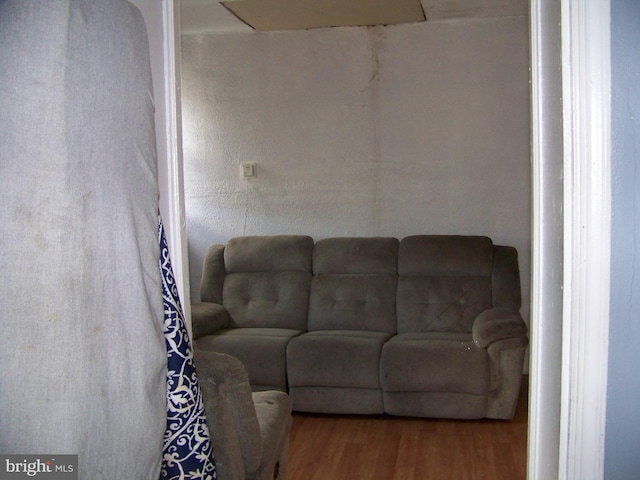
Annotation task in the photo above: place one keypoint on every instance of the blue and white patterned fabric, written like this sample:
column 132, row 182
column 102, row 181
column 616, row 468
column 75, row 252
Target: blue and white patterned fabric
column 187, row 446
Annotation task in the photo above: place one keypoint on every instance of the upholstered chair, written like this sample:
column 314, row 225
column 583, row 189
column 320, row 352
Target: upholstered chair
column 249, row 430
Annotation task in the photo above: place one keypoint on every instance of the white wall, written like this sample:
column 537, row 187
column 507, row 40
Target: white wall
column 420, row 128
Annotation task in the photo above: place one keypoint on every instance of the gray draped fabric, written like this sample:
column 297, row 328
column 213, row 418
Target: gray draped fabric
column 82, row 355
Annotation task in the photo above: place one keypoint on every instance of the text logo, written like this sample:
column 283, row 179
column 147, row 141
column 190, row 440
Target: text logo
column 50, row 467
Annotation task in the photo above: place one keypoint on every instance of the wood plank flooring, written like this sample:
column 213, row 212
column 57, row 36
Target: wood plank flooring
column 349, row 447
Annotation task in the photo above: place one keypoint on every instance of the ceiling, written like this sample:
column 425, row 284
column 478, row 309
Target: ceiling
column 212, row 16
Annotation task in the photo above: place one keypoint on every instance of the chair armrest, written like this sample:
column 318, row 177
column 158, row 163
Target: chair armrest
column 498, row 324
column 222, row 429
column 207, row 318
column 273, row 408
column 231, row 378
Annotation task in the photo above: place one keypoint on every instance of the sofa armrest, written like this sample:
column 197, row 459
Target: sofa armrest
column 207, row 318
column 498, row 324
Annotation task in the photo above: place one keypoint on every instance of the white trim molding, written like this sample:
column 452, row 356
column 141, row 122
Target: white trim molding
column 571, row 162
column 587, row 235
column 545, row 369
column 175, row 214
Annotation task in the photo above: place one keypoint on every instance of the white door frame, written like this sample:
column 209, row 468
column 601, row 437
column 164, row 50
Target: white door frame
column 177, row 231
column 162, row 20
column 586, row 72
column 545, row 369
column 172, row 201
column 571, row 244
column 570, row 62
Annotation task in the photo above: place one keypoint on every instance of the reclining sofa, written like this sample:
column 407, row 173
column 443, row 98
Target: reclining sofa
column 426, row 326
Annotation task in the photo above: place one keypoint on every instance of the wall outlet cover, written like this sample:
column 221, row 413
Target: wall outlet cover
column 248, row 170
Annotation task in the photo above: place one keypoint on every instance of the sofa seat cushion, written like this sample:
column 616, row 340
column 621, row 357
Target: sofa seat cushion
column 439, row 375
column 434, row 362
column 336, row 358
column 261, row 350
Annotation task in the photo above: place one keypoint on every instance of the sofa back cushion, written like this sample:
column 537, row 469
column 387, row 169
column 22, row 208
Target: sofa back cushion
column 444, row 282
column 267, row 281
column 354, row 284
column 505, row 281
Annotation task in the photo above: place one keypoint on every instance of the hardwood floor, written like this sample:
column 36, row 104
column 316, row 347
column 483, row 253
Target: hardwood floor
column 346, row 447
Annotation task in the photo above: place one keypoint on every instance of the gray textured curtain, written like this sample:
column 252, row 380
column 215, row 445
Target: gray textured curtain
column 82, row 356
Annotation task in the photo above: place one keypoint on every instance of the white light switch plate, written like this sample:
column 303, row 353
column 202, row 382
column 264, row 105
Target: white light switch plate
column 248, row 170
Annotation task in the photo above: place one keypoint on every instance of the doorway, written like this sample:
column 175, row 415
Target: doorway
column 553, row 451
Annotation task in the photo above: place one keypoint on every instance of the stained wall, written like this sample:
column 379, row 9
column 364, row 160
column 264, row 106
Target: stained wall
column 380, row 131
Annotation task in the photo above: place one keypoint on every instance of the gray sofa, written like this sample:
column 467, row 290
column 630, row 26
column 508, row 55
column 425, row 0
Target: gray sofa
column 426, row 326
